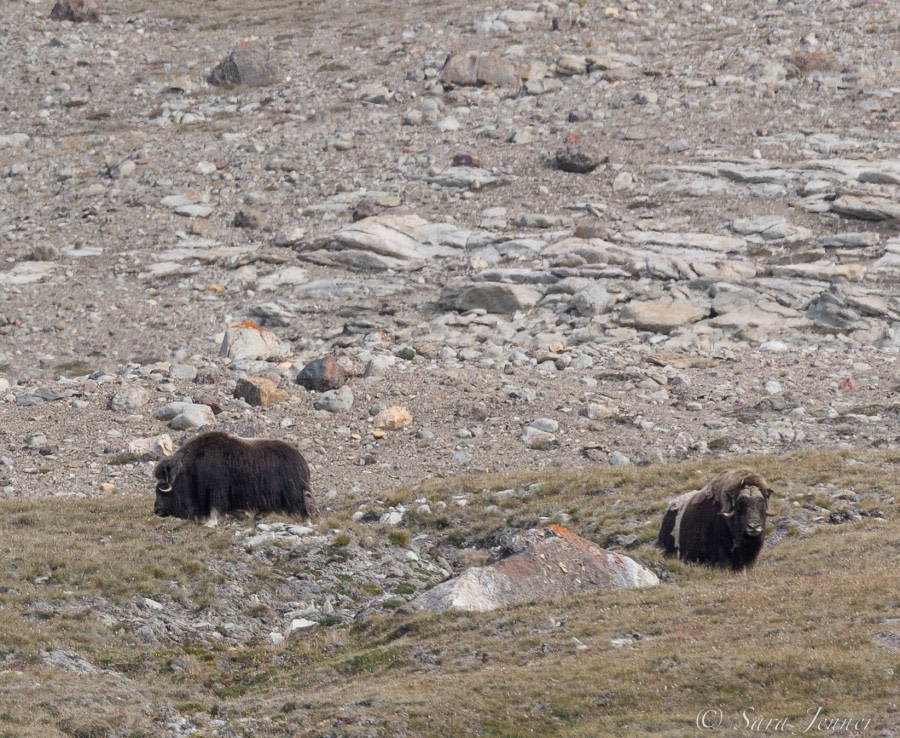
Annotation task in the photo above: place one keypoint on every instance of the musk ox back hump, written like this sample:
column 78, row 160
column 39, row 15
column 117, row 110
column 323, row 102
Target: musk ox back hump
column 219, row 473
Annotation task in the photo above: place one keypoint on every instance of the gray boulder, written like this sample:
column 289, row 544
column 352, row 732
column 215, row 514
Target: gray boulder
column 494, row 297
column 592, row 300
column 335, row 401
column 248, row 64
column 77, row 11
column 479, row 69
column 129, row 398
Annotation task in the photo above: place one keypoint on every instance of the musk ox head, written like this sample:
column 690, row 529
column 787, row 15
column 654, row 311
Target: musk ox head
column 165, row 473
column 743, row 498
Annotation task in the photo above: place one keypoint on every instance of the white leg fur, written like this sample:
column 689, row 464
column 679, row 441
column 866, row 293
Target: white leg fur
column 213, row 519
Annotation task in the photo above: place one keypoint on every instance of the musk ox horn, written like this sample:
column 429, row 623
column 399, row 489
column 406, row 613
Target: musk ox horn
column 729, row 514
column 167, row 488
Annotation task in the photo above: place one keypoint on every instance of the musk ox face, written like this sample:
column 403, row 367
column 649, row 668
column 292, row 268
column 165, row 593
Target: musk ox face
column 165, row 500
column 747, row 516
column 165, row 475
column 216, row 473
column 166, row 471
column 164, row 505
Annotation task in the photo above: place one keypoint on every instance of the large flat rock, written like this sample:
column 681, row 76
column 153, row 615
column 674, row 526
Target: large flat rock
column 766, row 314
column 707, row 241
column 550, row 562
column 493, row 297
column 662, row 316
column 867, row 207
column 398, row 242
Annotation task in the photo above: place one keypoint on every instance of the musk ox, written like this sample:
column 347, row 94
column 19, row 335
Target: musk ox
column 722, row 524
column 217, row 473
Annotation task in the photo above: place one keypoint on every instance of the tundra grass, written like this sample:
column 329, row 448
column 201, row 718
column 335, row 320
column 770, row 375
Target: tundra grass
column 810, row 635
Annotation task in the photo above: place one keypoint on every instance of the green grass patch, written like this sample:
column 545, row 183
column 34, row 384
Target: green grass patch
column 399, row 538
column 72, row 369
column 342, row 539
column 368, row 661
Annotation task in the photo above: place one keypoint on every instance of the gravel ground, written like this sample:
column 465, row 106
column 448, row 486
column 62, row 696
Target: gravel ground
column 723, row 281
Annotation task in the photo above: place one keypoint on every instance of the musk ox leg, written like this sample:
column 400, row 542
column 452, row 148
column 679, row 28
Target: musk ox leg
column 213, row 520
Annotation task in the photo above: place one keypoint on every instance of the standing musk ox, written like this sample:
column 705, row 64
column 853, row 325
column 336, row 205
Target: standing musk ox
column 216, row 473
column 723, row 523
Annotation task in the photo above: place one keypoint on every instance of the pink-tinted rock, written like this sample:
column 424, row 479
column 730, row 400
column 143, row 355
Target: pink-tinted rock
column 211, row 402
column 392, row 418
column 662, row 316
column 849, row 385
column 548, row 562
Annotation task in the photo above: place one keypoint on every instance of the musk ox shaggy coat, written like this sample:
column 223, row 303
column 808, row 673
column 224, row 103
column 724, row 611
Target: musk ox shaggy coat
column 217, row 473
column 722, row 524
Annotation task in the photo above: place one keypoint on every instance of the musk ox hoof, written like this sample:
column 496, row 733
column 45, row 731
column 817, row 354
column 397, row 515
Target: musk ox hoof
column 213, row 520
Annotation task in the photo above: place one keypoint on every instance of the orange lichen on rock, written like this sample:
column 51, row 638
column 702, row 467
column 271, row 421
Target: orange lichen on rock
column 248, row 324
column 572, row 538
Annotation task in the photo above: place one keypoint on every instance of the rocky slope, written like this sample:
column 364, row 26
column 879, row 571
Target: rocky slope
column 724, row 280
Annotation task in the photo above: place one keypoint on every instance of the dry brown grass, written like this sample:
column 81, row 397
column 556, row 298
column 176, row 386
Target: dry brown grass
column 798, row 632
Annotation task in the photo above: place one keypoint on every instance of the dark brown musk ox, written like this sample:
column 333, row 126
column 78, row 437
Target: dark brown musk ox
column 217, row 473
column 722, row 524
